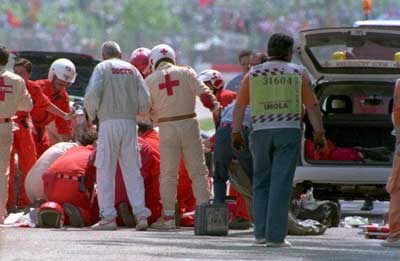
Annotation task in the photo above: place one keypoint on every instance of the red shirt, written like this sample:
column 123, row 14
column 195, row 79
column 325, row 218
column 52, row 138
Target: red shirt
column 225, row 97
column 75, row 162
column 152, row 138
column 150, row 171
column 59, row 99
column 40, row 101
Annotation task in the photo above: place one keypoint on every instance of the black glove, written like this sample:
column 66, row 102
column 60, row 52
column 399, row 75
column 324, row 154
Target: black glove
column 238, row 143
column 319, row 141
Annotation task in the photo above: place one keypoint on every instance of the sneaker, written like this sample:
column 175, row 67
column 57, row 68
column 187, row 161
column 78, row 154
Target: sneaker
column 239, row 223
column 163, row 223
column 126, row 215
column 260, row 242
column 368, row 205
column 105, row 224
column 142, row 224
column 391, row 242
column 285, row 243
column 74, row 215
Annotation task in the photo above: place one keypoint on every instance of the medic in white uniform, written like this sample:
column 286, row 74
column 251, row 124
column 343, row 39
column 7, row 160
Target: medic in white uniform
column 173, row 91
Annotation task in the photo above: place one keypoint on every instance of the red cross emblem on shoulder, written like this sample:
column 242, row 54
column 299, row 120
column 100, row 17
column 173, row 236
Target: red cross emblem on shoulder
column 164, row 51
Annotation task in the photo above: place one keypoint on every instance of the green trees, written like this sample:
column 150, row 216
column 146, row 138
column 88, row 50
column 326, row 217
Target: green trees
column 146, row 23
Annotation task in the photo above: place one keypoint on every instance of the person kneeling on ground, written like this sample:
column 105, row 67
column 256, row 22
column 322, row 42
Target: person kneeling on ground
column 150, row 170
column 69, row 182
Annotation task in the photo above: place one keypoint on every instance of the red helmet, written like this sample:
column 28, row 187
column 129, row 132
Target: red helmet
column 140, row 59
column 51, row 215
column 214, row 77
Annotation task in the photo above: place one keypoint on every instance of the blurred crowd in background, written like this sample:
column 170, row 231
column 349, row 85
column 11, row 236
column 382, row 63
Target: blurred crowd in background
column 202, row 31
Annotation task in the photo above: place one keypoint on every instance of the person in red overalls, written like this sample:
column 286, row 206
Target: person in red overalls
column 215, row 81
column 23, row 142
column 69, row 181
column 62, row 74
column 150, row 170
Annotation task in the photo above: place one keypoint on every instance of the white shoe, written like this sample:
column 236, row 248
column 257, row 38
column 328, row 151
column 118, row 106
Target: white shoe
column 105, row 224
column 141, row 224
column 163, row 224
column 285, row 243
column 260, row 242
column 390, row 242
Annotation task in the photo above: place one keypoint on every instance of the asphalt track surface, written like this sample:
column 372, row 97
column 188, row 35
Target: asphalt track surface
column 182, row 244
column 127, row 244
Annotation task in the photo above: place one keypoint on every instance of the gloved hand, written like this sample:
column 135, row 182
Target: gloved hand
column 69, row 116
column 237, row 141
column 319, row 140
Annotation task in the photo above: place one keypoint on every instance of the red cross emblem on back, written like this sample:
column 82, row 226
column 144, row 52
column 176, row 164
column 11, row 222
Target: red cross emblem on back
column 164, row 51
column 4, row 89
column 168, row 84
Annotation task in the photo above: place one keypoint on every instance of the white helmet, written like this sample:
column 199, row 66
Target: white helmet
column 159, row 52
column 214, row 77
column 64, row 69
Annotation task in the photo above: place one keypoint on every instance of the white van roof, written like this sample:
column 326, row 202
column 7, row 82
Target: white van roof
column 377, row 23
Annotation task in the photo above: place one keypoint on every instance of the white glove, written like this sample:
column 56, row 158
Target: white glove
column 14, row 126
column 69, row 116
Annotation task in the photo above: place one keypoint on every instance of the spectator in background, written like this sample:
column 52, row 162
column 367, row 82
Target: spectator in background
column 244, row 61
column 257, row 58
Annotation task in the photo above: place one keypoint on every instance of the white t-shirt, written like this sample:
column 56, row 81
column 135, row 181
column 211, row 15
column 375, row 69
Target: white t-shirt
column 34, row 182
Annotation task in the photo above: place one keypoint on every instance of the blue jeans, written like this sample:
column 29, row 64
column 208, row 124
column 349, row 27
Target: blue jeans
column 223, row 155
column 275, row 153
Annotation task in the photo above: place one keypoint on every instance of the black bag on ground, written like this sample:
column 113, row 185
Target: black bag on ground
column 211, row 219
column 304, row 228
column 325, row 212
column 307, row 207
